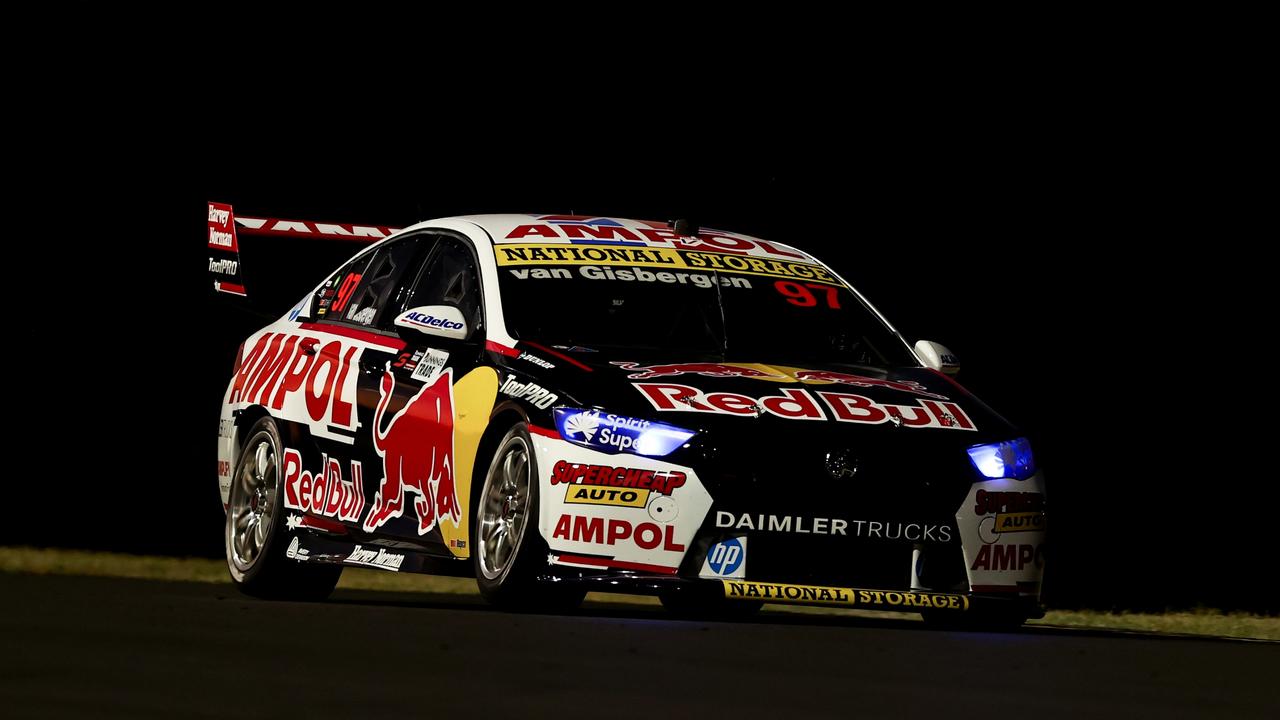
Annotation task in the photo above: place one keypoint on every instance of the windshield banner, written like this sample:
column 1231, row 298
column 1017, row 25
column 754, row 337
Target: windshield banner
column 666, row 258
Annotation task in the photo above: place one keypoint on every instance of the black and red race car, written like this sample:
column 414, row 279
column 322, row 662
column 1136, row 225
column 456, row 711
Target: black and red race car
column 556, row 404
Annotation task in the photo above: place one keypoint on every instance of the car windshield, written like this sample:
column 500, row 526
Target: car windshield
column 793, row 312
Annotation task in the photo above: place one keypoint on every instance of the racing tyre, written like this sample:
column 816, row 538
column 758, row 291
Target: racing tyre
column 706, row 602
column 509, row 553
column 256, row 540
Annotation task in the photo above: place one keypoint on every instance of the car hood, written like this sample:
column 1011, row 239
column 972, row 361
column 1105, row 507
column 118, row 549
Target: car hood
column 716, row 395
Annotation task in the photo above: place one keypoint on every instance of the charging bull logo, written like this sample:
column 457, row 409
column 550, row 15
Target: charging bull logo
column 824, row 376
column 644, row 372
column 417, row 456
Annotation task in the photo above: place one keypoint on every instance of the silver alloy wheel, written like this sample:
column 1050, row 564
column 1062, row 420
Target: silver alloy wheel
column 503, row 508
column 252, row 506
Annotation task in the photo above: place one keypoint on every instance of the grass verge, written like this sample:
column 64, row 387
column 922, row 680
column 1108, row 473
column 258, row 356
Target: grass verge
column 43, row 561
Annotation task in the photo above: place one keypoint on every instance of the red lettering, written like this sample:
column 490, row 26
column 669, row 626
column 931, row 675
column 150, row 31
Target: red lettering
column 337, row 489
column 247, row 366
column 669, row 542
column 853, row 408
column 341, row 408
column 983, row 560
column 672, row 397
column 347, row 287
column 796, row 403
column 919, row 418
column 795, row 293
column 726, row 244
column 304, row 490
column 320, row 487
column 294, row 377
column 292, row 466
column 603, row 232
column 545, row 231
column 648, row 535
column 272, row 369
column 771, row 248
column 731, row 403
column 981, row 502
column 1005, row 557
column 562, row 528
column 1025, row 555
column 618, row 530
column 318, row 397
column 587, row 529
column 661, row 236
column 262, row 372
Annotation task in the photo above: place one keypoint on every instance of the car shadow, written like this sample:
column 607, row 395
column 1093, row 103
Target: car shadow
column 610, row 610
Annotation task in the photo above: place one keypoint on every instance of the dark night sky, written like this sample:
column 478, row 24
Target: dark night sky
column 1079, row 269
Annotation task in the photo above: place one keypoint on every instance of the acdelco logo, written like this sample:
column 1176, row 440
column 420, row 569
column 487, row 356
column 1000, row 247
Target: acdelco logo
column 432, row 321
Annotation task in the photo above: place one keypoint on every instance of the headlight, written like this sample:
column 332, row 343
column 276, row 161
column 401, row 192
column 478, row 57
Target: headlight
column 1010, row 459
column 616, row 433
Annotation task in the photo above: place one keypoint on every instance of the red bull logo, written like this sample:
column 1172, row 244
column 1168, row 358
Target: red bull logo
column 808, row 377
column 824, row 376
column 417, row 456
column 645, row 372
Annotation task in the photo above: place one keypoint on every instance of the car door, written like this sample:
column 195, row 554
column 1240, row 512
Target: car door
column 423, row 492
column 352, row 346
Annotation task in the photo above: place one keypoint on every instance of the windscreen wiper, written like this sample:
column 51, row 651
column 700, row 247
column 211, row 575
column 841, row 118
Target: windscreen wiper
column 724, row 326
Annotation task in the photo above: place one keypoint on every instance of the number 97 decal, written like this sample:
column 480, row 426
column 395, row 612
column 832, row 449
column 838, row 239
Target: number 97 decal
column 802, row 295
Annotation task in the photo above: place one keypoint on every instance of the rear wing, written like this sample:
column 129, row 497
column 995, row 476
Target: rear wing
column 226, row 230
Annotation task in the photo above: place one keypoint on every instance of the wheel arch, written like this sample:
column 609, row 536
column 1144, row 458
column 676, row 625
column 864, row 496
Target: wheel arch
column 505, row 416
column 291, row 433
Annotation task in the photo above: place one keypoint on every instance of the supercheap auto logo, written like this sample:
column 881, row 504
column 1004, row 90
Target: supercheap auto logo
column 1008, row 512
column 619, row 486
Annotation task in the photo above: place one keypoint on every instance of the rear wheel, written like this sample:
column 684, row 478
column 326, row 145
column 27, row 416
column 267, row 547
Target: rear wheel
column 706, row 602
column 255, row 538
column 508, row 552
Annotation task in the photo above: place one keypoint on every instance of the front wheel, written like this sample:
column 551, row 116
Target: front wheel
column 508, row 552
column 255, row 538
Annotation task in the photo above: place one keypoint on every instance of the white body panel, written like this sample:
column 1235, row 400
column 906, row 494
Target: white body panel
column 1004, row 548
column 649, row 533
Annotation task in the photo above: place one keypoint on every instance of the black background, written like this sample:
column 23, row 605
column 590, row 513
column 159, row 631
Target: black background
column 1086, row 266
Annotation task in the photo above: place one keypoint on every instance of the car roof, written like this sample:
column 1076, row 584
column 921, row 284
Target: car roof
column 596, row 229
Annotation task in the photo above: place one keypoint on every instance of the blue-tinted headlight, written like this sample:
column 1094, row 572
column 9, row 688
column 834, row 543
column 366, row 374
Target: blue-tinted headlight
column 1011, row 459
column 616, row 433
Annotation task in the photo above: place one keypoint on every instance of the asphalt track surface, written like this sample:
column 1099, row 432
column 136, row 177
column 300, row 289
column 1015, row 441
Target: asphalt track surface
column 97, row 647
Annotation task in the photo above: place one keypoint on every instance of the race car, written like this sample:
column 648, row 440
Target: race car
column 556, row 404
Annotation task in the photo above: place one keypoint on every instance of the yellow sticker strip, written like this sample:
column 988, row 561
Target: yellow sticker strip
column 665, row 258
column 849, row 597
column 600, row 495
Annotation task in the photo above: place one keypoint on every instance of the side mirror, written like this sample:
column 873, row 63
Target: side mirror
column 444, row 321
column 937, row 357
